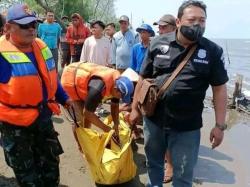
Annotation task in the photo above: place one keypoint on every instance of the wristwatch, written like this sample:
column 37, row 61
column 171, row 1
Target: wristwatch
column 221, row 126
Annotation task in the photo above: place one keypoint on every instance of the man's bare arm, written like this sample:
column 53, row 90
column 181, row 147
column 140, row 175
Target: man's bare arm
column 220, row 103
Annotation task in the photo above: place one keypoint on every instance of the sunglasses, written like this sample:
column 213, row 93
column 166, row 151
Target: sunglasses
column 32, row 25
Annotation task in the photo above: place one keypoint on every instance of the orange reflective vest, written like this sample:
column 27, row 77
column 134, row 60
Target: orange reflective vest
column 76, row 76
column 21, row 96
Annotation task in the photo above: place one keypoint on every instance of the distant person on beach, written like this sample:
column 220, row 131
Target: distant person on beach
column 139, row 50
column 137, row 56
column 122, row 45
column 110, row 31
column 177, row 120
column 29, row 95
column 76, row 35
column 167, row 25
column 50, row 33
column 64, row 45
column 97, row 48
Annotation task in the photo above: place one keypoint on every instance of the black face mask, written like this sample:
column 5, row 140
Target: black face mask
column 192, row 33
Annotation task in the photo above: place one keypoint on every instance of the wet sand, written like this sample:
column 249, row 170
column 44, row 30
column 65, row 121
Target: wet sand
column 227, row 165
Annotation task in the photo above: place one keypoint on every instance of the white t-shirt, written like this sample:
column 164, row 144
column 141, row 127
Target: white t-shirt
column 97, row 51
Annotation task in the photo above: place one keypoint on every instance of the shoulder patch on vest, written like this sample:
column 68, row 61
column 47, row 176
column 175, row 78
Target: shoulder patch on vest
column 15, row 57
column 46, row 53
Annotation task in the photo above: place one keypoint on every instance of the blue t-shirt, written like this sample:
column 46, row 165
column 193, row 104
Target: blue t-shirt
column 6, row 71
column 137, row 56
column 50, row 34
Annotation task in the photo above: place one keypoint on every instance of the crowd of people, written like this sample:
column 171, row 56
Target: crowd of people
column 96, row 62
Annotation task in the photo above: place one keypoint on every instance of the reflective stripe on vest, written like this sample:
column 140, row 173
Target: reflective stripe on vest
column 48, row 57
column 46, row 53
column 15, row 57
column 21, row 64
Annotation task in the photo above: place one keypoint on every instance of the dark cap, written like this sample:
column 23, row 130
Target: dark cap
column 165, row 20
column 124, row 18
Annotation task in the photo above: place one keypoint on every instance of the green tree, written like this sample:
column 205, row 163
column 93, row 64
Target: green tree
column 103, row 10
column 5, row 4
column 88, row 9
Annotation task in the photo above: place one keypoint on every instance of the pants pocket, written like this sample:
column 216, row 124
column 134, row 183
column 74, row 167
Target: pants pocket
column 17, row 155
column 52, row 146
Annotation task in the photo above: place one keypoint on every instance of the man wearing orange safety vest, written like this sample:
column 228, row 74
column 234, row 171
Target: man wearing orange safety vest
column 88, row 84
column 29, row 92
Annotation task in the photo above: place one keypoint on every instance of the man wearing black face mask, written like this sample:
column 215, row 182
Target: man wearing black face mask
column 193, row 32
column 177, row 120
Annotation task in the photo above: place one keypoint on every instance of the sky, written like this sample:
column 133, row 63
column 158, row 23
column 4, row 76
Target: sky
column 225, row 18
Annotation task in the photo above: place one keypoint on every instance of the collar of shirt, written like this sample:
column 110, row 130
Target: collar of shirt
column 142, row 46
column 127, row 33
column 124, row 32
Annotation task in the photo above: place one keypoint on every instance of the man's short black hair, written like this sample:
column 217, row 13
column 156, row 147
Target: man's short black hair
column 65, row 17
column 189, row 3
column 111, row 24
column 75, row 16
column 98, row 22
column 50, row 11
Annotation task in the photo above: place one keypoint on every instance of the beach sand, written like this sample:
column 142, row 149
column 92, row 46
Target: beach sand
column 227, row 165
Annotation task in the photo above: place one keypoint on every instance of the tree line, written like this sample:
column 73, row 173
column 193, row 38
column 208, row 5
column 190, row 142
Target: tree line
column 89, row 9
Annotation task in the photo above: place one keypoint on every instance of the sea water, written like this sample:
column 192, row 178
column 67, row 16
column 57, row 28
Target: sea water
column 237, row 61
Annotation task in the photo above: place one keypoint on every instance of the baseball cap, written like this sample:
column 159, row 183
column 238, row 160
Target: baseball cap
column 21, row 14
column 126, row 87
column 124, row 18
column 131, row 75
column 147, row 28
column 165, row 20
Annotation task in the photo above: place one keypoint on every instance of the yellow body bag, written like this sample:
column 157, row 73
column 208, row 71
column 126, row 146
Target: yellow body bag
column 108, row 162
